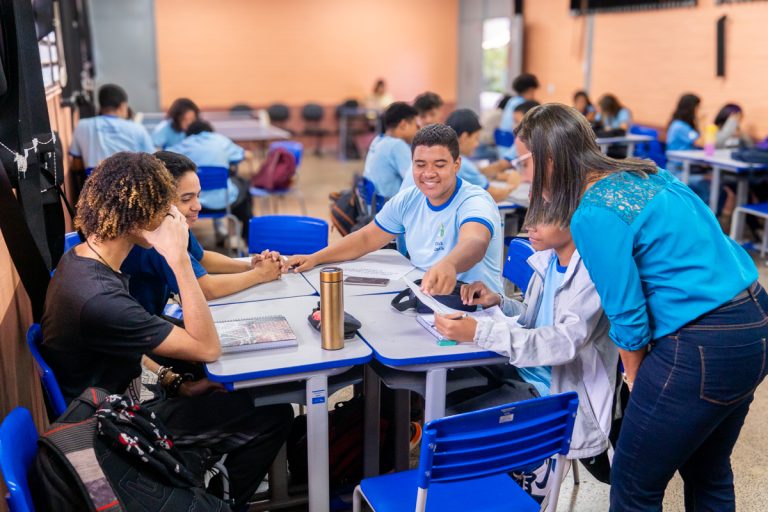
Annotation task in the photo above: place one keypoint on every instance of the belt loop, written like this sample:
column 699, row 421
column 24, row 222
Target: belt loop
column 752, row 290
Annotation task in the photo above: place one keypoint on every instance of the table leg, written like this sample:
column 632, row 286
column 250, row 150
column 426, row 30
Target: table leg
column 686, row 177
column 317, row 443
column 714, row 193
column 630, row 149
column 343, row 120
column 434, row 406
column 604, row 148
column 742, row 187
column 371, row 435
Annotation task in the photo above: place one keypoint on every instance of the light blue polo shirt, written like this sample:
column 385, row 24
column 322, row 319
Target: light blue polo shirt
column 470, row 173
column 96, row 138
column 388, row 161
column 680, row 136
column 432, row 232
column 614, row 123
column 165, row 136
column 208, row 149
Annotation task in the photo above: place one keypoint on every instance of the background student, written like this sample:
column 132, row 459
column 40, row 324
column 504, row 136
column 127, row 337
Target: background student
column 389, row 156
column 634, row 226
column 206, row 148
column 452, row 228
column 380, row 98
column 582, row 103
column 429, row 107
column 525, row 87
column 729, row 131
column 612, row 115
column 683, row 131
column 172, row 130
column 152, row 280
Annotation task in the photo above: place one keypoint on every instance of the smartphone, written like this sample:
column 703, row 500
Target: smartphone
column 367, row 281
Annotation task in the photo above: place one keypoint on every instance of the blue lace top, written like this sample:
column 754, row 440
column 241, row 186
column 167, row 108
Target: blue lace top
column 656, row 254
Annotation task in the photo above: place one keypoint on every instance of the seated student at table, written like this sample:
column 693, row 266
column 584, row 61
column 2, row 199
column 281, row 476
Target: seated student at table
column 582, row 103
column 683, row 132
column 172, row 129
column 467, row 126
column 429, row 108
column 208, row 149
column 96, row 334
column 525, row 87
column 152, row 280
column 380, row 98
column 729, row 131
column 612, row 115
column 389, row 156
column 520, row 111
column 96, row 138
column 452, row 228
column 557, row 340
column 490, row 120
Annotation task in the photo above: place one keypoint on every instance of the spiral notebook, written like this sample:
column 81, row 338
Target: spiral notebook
column 257, row 333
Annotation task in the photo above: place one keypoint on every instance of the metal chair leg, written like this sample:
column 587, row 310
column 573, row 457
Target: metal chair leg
column 575, row 465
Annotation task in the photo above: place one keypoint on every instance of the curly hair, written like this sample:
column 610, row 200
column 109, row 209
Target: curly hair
column 125, row 192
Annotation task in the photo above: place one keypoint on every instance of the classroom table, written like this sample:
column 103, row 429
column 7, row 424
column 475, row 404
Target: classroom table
column 629, row 140
column 720, row 161
column 401, row 344
column 307, row 362
column 382, row 256
column 289, row 285
column 236, row 126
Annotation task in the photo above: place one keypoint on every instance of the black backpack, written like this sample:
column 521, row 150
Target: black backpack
column 348, row 210
column 103, row 454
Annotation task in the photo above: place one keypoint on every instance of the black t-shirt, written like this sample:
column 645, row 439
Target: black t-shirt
column 94, row 332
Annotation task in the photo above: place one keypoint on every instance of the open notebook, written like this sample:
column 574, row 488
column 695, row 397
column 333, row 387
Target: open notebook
column 257, row 333
column 428, row 322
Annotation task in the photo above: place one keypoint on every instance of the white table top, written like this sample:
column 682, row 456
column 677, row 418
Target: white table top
column 629, row 138
column 380, row 256
column 721, row 158
column 308, row 356
column 518, row 198
column 289, row 285
column 397, row 339
column 247, row 129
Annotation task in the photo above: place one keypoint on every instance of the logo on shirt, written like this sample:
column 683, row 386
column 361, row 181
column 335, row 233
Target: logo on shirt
column 439, row 245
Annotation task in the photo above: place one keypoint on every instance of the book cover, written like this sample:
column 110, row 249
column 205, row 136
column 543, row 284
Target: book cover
column 256, row 333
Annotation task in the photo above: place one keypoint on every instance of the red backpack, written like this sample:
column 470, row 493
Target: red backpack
column 276, row 172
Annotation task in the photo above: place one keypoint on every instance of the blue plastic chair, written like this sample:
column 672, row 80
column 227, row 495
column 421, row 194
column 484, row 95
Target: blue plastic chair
column 503, row 138
column 653, row 150
column 18, row 447
column 71, row 239
column 50, row 384
column 296, row 148
column 287, row 234
column 516, row 267
column 216, row 179
column 465, row 459
column 367, row 190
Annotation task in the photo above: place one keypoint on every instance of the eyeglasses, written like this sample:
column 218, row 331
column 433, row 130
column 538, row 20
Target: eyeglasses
column 522, row 158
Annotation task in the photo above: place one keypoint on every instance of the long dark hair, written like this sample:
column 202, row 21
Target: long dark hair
column 559, row 137
column 583, row 94
column 610, row 105
column 686, row 109
column 180, row 107
column 726, row 112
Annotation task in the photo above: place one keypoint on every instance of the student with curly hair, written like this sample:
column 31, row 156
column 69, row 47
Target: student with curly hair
column 96, row 334
column 172, row 130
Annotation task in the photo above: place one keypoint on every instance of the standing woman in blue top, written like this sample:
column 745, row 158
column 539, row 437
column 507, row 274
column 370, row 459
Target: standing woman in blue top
column 683, row 300
column 172, row 129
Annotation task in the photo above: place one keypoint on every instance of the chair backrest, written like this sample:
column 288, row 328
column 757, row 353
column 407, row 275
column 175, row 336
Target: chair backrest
column 71, row 239
column 654, row 149
column 516, row 268
column 18, row 447
column 367, row 190
column 241, row 110
column 497, row 440
column 212, row 178
column 294, row 147
column 287, row 234
column 312, row 112
column 50, row 384
column 503, row 138
column 279, row 112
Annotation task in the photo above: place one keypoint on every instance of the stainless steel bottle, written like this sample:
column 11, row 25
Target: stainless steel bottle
column 332, row 308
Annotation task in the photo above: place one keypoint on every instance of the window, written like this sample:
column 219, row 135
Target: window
column 496, row 37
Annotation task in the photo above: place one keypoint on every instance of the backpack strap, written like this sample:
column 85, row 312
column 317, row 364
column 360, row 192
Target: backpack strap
column 403, row 305
column 72, row 442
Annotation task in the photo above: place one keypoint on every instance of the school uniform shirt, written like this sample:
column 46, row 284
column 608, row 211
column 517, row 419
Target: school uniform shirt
column 680, row 136
column 165, row 136
column 470, row 173
column 94, row 332
column 507, row 122
column 208, row 149
column 151, row 279
column 388, row 161
column 614, row 123
column 431, row 232
column 96, row 138
column 541, row 376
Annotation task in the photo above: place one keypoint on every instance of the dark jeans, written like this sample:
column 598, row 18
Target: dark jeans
column 228, row 423
column 690, row 398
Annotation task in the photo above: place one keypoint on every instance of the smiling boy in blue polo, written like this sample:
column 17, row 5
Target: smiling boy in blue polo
column 452, row 228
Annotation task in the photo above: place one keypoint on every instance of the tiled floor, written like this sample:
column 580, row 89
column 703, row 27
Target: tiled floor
column 320, row 176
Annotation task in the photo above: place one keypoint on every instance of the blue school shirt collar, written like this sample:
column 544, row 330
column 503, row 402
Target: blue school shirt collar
column 450, row 199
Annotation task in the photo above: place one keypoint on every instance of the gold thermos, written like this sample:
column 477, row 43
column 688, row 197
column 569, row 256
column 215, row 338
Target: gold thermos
column 332, row 308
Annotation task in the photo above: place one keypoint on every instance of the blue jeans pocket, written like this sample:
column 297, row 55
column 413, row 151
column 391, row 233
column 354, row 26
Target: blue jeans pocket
column 731, row 373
